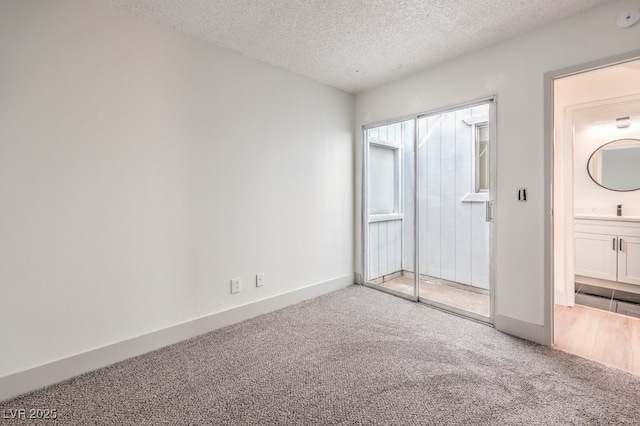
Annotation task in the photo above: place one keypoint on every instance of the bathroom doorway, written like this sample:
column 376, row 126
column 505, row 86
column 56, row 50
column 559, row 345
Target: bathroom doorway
column 428, row 208
column 596, row 115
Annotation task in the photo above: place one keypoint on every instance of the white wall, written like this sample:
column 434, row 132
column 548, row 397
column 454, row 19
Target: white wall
column 572, row 94
column 141, row 169
column 514, row 71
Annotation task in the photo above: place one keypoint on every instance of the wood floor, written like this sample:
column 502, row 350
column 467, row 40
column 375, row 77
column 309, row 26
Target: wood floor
column 606, row 337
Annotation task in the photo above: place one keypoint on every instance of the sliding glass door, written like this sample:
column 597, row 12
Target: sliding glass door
column 389, row 247
column 454, row 211
column 428, row 217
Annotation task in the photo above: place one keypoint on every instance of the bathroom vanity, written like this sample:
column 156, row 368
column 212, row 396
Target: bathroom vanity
column 607, row 246
column 607, row 251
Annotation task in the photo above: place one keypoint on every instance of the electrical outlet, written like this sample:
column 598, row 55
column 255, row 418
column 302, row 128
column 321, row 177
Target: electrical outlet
column 260, row 280
column 235, row 285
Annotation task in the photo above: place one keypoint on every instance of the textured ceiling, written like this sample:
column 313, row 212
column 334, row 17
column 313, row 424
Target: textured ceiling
column 355, row 45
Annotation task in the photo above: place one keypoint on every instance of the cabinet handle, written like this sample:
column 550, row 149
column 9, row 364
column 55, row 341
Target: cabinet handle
column 620, row 244
column 614, row 243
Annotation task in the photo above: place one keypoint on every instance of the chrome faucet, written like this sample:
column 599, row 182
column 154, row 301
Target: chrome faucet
column 619, row 212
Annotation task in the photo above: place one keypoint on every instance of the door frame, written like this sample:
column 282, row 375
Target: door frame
column 492, row 101
column 548, row 105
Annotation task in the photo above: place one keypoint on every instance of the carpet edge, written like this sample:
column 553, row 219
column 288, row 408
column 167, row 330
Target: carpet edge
column 59, row 370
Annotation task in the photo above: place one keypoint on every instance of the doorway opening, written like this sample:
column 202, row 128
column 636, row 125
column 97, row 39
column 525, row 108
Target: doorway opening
column 596, row 209
column 428, row 203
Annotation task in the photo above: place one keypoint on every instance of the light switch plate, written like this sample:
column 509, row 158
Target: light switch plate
column 522, row 194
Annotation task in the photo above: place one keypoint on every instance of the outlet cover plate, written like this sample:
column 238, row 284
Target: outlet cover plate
column 260, row 280
column 235, row 285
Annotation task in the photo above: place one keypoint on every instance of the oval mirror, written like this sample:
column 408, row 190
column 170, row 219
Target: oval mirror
column 616, row 165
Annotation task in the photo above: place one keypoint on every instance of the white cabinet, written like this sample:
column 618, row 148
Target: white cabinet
column 597, row 256
column 608, row 250
column 629, row 260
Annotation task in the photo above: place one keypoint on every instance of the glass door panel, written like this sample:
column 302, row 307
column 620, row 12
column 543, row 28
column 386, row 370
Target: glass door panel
column 389, row 207
column 454, row 182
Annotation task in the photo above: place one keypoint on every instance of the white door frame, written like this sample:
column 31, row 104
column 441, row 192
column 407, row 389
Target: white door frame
column 549, row 78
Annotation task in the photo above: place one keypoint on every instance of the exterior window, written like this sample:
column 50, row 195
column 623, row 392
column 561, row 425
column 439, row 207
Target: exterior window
column 482, row 157
column 384, row 180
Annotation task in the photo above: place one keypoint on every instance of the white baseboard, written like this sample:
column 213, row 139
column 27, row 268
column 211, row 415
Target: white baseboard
column 57, row 371
column 524, row 330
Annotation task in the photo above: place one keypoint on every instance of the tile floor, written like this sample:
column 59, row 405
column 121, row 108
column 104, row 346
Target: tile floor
column 606, row 299
column 472, row 300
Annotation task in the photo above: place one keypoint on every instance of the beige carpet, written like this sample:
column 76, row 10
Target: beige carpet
column 355, row 356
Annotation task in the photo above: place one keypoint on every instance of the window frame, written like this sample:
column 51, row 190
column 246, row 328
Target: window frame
column 397, row 179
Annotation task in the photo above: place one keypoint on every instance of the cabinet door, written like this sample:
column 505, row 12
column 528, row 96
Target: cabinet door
column 629, row 260
column 596, row 255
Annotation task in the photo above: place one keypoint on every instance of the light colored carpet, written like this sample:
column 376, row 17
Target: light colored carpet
column 355, row 356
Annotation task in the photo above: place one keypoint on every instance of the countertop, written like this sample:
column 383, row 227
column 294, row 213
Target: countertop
column 608, row 217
